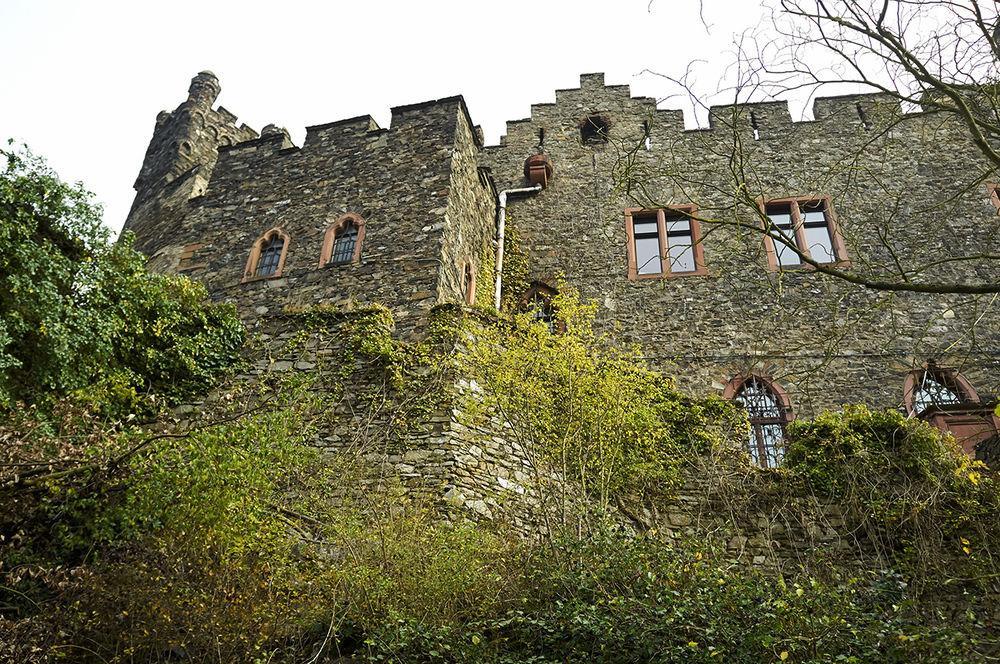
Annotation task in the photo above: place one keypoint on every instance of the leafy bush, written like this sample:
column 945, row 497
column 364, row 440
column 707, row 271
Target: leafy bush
column 594, row 410
column 79, row 314
column 914, row 491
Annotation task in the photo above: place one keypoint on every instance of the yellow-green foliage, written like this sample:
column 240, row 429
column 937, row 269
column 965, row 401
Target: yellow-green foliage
column 595, row 410
column 917, row 493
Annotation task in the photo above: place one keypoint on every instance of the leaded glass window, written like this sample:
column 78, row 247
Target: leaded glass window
column 768, row 417
column 345, row 241
column 936, row 388
column 270, row 256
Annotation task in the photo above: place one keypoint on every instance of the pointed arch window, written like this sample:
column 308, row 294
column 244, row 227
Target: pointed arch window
column 342, row 241
column 267, row 256
column 934, row 386
column 768, row 410
column 538, row 300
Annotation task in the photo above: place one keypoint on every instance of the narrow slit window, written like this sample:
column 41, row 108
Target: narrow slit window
column 469, row 284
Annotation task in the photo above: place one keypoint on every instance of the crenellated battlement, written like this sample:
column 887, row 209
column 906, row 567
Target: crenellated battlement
column 641, row 116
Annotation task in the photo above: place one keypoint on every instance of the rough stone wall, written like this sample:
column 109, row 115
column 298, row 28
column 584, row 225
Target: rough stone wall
column 429, row 442
column 428, row 209
column 469, row 228
column 179, row 161
column 422, row 212
column 828, row 343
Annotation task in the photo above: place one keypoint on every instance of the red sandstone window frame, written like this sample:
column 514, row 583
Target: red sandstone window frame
column 794, row 203
column 947, row 376
column 735, row 386
column 691, row 213
column 468, row 283
column 993, row 190
column 330, row 238
column 249, row 274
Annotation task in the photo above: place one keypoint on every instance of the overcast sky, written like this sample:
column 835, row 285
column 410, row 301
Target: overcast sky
column 82, row 82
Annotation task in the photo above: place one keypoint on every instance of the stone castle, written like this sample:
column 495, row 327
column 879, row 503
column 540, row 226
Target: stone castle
column 614, row 197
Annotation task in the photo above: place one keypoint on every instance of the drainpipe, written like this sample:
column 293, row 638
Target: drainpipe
column 501, row 224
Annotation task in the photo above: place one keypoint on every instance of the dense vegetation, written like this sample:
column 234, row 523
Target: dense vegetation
column 80, row 314
column 127, row 536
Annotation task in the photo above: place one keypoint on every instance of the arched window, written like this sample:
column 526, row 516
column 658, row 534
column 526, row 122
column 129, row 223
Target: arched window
column 768, row 410
column 538, row 300
column 469, row 283
column 342, row 242
column 936, row 386
column 267, row 256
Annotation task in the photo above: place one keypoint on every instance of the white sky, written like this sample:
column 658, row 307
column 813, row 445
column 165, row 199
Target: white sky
column 82, row 81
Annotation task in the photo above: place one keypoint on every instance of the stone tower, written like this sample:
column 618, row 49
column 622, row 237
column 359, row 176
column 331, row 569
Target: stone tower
column 180, row 158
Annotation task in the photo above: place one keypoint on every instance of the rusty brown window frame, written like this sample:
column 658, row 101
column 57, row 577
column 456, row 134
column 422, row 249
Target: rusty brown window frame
column 690, row 212
column 795, row 204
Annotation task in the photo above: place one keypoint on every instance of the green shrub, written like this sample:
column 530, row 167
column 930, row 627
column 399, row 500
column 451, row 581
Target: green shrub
column 81, row 315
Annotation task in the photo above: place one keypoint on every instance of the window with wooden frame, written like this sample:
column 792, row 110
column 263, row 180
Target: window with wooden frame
column 267, row 256
column 769, row 412
column 806, row 224
column 664, row 242
column 932, row 385
column 342, row 241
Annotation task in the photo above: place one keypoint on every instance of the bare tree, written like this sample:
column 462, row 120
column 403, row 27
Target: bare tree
column 915, row 61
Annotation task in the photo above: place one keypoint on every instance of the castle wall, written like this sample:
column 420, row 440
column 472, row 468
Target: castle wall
column 826, row 341
column 423, row 214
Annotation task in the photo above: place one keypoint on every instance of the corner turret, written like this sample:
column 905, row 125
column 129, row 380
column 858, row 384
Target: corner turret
column 180, row 158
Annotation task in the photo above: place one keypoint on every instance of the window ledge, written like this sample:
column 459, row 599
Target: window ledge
column 253, row 278
column 805, row 267
column 701, row 272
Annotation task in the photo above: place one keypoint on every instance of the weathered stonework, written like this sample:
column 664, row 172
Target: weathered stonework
column 827, row 342
column 427, row 191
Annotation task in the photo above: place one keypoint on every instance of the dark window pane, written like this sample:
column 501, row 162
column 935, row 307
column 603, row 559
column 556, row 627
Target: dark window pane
column 344, row 244
column 270, row 256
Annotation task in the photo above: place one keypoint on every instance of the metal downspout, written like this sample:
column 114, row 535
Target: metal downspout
column 501, row 225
